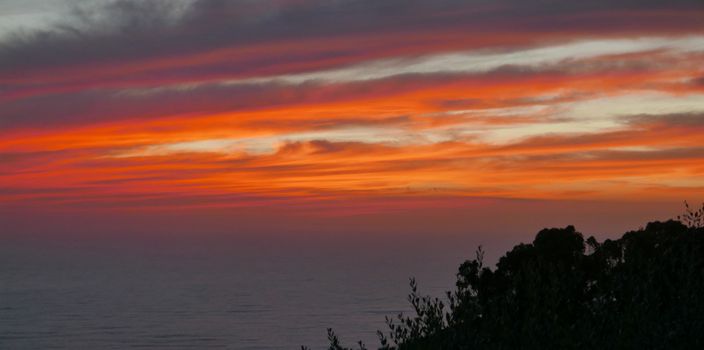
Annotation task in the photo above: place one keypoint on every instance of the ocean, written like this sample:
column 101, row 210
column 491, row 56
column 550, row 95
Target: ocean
column 220, row 293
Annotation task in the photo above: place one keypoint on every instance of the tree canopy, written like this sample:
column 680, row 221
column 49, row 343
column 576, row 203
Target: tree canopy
column 562, row 291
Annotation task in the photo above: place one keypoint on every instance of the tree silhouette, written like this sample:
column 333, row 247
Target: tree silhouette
column 643, row 290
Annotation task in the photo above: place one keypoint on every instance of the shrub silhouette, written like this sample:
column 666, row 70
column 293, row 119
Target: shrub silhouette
column 644, row 290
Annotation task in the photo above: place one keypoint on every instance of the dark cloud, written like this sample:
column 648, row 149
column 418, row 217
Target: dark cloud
column 95, row 106
column 672, row 154
column 67, row 74
column 641, row 130
column 695, row 119
column 127, row 31
column 99, row 105
column 621, row 156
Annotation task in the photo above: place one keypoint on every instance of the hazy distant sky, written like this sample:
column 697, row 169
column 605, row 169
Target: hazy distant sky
column 346, row 107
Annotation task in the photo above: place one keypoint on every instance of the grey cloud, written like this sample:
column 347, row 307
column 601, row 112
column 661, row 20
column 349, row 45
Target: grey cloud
column 128, row 30
column 694, row 119
column 94, row 106
column 130, row 33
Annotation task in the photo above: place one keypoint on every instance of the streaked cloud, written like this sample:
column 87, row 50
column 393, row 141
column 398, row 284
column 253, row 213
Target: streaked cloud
column 212, row 103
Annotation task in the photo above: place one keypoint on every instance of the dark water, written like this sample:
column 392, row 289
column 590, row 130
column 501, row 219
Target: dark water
column 223, row 294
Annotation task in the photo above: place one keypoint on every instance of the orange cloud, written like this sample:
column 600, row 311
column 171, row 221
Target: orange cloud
column 413, row 116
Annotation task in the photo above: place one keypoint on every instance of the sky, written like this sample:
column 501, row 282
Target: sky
column 344, row 115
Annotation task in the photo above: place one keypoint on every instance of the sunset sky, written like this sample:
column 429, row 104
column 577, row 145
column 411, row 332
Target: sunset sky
column 349, row 109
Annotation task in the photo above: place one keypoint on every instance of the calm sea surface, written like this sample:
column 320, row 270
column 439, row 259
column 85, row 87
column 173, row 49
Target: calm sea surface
column 220, row 293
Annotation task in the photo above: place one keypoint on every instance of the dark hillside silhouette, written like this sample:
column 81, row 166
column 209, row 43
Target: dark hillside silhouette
column 644, row 290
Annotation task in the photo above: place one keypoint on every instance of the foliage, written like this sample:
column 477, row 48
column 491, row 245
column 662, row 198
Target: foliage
column 692, row 218
column 643, row 290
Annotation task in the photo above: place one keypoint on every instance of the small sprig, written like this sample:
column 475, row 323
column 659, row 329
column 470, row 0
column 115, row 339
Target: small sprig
column 692, row 218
